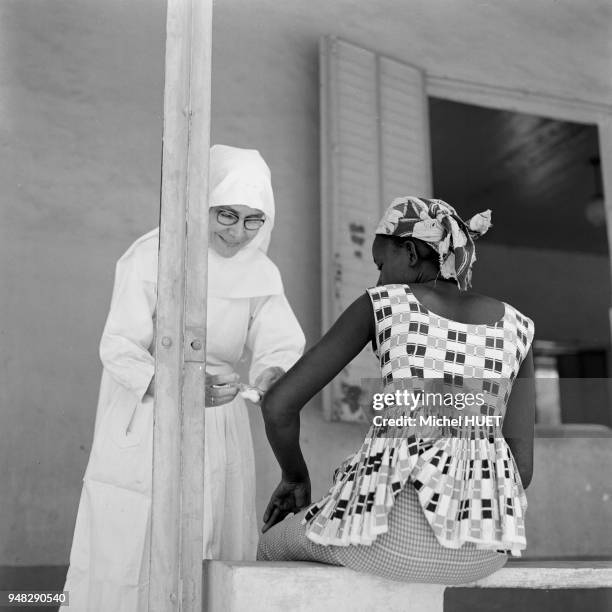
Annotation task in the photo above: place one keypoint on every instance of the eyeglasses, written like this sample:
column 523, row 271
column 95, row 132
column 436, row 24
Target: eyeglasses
column 228, row 217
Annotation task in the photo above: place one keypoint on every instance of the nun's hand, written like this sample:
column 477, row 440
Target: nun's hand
column 220, row 389
column 268, row 377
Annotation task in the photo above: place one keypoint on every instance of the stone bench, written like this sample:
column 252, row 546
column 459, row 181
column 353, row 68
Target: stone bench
column 311, row 587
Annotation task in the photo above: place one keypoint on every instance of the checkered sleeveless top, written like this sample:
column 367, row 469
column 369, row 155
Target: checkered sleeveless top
column 466, row 479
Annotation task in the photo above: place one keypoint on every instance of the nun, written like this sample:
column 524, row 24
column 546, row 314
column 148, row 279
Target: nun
column 247, row 312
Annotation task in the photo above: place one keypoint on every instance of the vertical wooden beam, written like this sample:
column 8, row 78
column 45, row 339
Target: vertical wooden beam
column 196, row 277
column 178, row 442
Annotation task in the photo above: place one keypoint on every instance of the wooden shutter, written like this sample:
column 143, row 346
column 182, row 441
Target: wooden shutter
column 374, row 147
column 404, row 132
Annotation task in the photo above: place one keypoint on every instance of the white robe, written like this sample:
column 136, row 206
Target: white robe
column 109, row 557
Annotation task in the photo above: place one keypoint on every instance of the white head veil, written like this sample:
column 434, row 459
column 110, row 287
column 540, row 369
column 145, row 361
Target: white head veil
column 242, row 177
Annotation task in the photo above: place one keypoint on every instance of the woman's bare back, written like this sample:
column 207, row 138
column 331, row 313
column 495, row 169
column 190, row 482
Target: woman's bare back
column 442, row 298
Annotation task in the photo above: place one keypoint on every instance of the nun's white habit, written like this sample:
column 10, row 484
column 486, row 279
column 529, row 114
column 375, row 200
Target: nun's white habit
column 246, row 309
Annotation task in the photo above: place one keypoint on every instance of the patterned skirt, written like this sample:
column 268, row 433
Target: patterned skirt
column 408, row 552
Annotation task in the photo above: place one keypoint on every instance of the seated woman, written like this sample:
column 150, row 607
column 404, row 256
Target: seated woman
column 437, row 507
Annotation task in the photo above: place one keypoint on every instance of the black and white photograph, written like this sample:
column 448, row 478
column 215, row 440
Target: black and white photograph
column 306, row 306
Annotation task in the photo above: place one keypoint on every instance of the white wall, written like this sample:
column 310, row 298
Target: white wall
column 81, row 103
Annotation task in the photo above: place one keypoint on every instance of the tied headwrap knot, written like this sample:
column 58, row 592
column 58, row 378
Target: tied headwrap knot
column 438, row 224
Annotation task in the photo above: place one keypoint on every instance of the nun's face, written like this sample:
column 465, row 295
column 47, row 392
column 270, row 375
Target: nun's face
column 230, row 228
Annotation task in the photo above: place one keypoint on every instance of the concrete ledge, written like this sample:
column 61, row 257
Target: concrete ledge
column 311, row 587
column 550, row 575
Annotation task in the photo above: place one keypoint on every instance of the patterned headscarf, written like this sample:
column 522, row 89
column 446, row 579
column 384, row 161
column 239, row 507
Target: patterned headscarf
column 438, row 224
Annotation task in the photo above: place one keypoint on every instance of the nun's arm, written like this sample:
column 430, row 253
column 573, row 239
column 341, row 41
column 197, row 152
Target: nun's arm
column 129, row 329
column 282, row 404
column 275, row 339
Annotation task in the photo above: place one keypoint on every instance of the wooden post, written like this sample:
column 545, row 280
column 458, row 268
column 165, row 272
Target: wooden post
column 178, row 441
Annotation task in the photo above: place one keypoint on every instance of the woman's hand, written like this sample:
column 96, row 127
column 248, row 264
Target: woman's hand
column 220, row 389
column 268, row 377
column 288, row 497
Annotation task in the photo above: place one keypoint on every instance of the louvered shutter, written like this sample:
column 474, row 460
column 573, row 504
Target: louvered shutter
column 374, row 147
column 404, row 129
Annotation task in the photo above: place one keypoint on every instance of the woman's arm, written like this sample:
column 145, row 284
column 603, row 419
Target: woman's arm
column 129, row 329
column 519, row 422
column 282, row 404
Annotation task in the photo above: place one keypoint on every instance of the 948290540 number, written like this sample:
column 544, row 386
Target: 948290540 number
column 38, row 598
